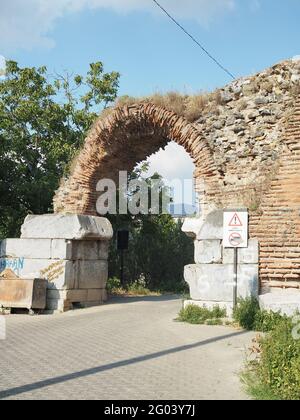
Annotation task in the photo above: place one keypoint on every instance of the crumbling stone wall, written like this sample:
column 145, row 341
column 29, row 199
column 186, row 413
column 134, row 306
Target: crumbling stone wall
column 245, row 148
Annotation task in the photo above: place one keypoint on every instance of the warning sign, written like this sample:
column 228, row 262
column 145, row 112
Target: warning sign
column 235, row 229
column 235, row 221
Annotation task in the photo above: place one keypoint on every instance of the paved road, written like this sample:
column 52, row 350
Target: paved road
column 127, row 349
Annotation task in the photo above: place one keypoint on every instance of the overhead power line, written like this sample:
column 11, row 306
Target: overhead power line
column 195, row 40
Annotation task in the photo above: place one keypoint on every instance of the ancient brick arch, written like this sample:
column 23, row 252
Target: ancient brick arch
column 126, row 137
column 245, row 146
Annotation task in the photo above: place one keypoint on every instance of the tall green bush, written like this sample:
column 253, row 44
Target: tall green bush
column 245, row 313
column 278, row 369
column 249, row 316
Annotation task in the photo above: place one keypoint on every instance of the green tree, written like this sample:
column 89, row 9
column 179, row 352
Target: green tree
column 158, row 249
column 43, row 122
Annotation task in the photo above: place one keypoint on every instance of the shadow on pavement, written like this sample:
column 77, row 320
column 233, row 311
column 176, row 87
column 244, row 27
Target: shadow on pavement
column 93, row 371
column 131, row 299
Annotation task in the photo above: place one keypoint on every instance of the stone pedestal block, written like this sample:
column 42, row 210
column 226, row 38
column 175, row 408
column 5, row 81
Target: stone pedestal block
column 208, row 252
column 79, row 250
column 27, row 248
column 70, row 226
column 68, row 251
column 286, row 302
column 214, row 282
column 212, row 227
column 211, row 279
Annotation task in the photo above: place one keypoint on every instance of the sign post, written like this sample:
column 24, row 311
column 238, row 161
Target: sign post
column 235, row 235
column 122, row 245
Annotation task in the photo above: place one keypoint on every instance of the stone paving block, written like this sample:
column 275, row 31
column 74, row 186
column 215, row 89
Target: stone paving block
column 214, row 282
column 115, row 352
column 208, row 252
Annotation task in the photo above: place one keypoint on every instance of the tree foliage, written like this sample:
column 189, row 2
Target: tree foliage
column 43, row 122
column 158, row 249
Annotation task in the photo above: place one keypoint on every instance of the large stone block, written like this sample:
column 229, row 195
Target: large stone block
column 286, row 302
column 97, row 295
column 26, row 248
column 69, row 226
column 248, row 255
column 60, row 274
column 212, row 226
column 58, row 305
column 191, row 226
column 208, row 252
column 75, row 295
column 214, row 282
column 79, row 250
column 91, row 274
column 78, row 295
column 62, row 300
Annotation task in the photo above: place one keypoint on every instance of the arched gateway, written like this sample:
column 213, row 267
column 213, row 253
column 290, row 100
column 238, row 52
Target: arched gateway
column 245, row 143
column 246, row 150
column 126, row 137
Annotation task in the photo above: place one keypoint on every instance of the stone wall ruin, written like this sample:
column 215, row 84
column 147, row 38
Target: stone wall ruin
column 246, row 150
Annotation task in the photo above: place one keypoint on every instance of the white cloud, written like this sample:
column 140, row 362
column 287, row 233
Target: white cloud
column 171, row 163
column 174, row 163
column 28, row 24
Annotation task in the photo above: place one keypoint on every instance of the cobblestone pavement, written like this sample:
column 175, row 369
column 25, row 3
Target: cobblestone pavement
column 126, row 349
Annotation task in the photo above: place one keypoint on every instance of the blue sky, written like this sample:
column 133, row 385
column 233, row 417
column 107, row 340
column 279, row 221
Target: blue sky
column 136, row 39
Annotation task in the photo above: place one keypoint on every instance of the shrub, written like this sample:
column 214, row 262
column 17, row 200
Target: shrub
column 138, row 287
column 266, row 321
column 276, row 375
column 245, row 313
column 249, row 316
column 196, row 315
column 113, row 285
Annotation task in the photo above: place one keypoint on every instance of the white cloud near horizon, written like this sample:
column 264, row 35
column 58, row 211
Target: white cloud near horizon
column 26, row 25
column 171, row 163
column 174, row 163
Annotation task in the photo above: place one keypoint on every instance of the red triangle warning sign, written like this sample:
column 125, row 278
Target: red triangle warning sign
column 235, row 221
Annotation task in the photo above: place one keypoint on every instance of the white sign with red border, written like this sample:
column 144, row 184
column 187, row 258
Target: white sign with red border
column 235, row 229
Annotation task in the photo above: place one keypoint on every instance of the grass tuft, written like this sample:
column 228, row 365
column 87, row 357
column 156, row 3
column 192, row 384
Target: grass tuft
column 193, row 314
